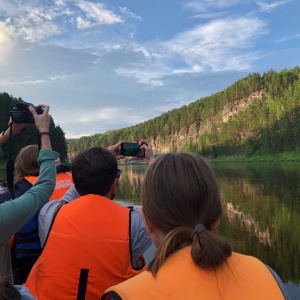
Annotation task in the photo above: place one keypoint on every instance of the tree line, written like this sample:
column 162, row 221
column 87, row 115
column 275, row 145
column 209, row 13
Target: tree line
column 30, row 134
column 271, row 125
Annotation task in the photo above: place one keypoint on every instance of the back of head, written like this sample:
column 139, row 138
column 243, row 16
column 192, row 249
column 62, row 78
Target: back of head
column 179, row 192
column 94, row 170
column 26, row 162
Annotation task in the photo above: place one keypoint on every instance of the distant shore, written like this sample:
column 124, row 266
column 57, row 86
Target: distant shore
column 278, row 157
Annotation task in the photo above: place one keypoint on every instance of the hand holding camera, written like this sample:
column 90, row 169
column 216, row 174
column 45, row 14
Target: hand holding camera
column 41, row 120
column 22, row 114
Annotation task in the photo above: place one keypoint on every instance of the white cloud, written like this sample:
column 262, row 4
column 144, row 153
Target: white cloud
column 193, row 69
column 7, row 41
column 83, row 24
column 38, row 21
column 8, row 82
column 105, row 114
column 292, row 37
column 205, row 5
column 39, row 32
column 57, row 77
column 129, row 14
column 208, row 15
column 60, row 3
column 144, row 77
column 219, row 45
column 267, row 7
column 97, row 13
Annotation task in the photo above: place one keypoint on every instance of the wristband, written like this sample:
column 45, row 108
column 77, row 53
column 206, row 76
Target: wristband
column 45, row 132
column 40, row 134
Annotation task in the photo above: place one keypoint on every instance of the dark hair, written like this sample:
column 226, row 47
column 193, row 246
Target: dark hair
column 26, row 162
column 180, row 191
column 94, row 170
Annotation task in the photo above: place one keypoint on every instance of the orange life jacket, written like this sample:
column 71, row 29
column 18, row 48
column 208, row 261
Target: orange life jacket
column 87, row 250
column 63, row 182
column 242, row 277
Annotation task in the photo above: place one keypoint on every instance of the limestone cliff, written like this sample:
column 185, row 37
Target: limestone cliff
column 192, row 133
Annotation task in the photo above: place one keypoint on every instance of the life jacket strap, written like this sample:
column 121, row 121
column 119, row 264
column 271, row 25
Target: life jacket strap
column 84, row 273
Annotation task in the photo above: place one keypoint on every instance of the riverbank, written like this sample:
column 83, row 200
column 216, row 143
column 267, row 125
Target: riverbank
column 278, row 157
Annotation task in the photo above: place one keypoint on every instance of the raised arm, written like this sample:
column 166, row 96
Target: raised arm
column 18, row 212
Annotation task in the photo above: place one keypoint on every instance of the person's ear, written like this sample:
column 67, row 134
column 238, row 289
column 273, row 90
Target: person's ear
column 113, row 189
column 149, row 227
column 215, row 224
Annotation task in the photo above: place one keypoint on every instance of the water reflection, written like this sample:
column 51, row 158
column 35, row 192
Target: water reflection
column 261, row 211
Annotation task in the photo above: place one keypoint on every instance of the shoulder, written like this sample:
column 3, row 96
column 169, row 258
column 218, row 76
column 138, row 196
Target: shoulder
column 280, row 283
column 136, row 220
column 22, row 186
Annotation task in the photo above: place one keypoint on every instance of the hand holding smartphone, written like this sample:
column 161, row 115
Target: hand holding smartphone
column 132, row 149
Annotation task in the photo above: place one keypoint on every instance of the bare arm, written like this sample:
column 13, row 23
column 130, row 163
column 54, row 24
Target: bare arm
column 16, row 128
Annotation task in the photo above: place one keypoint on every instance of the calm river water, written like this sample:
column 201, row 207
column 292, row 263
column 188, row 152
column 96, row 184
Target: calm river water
column 261, row 211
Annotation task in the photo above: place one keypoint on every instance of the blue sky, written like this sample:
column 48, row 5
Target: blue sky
column 104, row 65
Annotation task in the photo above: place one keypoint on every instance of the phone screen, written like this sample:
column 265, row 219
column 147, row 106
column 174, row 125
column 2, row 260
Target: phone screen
column 132, row 149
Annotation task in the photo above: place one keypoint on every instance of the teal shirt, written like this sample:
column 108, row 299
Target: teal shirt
column 16, row 213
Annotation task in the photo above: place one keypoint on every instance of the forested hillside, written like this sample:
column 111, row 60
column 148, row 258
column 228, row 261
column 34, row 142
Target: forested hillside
column 30, row 135
column 257, row 114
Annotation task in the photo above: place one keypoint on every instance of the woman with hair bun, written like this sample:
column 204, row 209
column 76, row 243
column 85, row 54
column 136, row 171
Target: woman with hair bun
column 181, row 208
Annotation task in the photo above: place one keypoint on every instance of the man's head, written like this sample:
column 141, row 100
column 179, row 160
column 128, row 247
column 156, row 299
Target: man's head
column 94, row 171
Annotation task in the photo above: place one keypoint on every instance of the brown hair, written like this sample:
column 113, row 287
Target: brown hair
column 26, row 162
column 180, row 191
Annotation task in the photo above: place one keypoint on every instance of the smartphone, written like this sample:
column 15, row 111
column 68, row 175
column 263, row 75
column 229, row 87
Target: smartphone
column 132, row 149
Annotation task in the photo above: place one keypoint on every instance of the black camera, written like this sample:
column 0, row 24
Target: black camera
column 21, row 114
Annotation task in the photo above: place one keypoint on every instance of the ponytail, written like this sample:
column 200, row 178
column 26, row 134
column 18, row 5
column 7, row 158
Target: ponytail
column 208, row 249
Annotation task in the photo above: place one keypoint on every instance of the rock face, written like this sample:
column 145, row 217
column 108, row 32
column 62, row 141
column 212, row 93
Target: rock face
column 192, row 133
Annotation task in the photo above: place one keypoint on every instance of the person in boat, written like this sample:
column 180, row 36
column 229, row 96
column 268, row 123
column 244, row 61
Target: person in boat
column 93, row 242
column 25, row 244
column 18, row 212
column 181, row 208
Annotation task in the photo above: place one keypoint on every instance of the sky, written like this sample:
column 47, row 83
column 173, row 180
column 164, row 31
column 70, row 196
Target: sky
column 106, row 65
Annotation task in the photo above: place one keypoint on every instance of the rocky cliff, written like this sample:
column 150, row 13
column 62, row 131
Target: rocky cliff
column 192, row 133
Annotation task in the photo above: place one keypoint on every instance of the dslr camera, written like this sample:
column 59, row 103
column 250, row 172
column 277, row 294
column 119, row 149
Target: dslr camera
column 21, row 114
